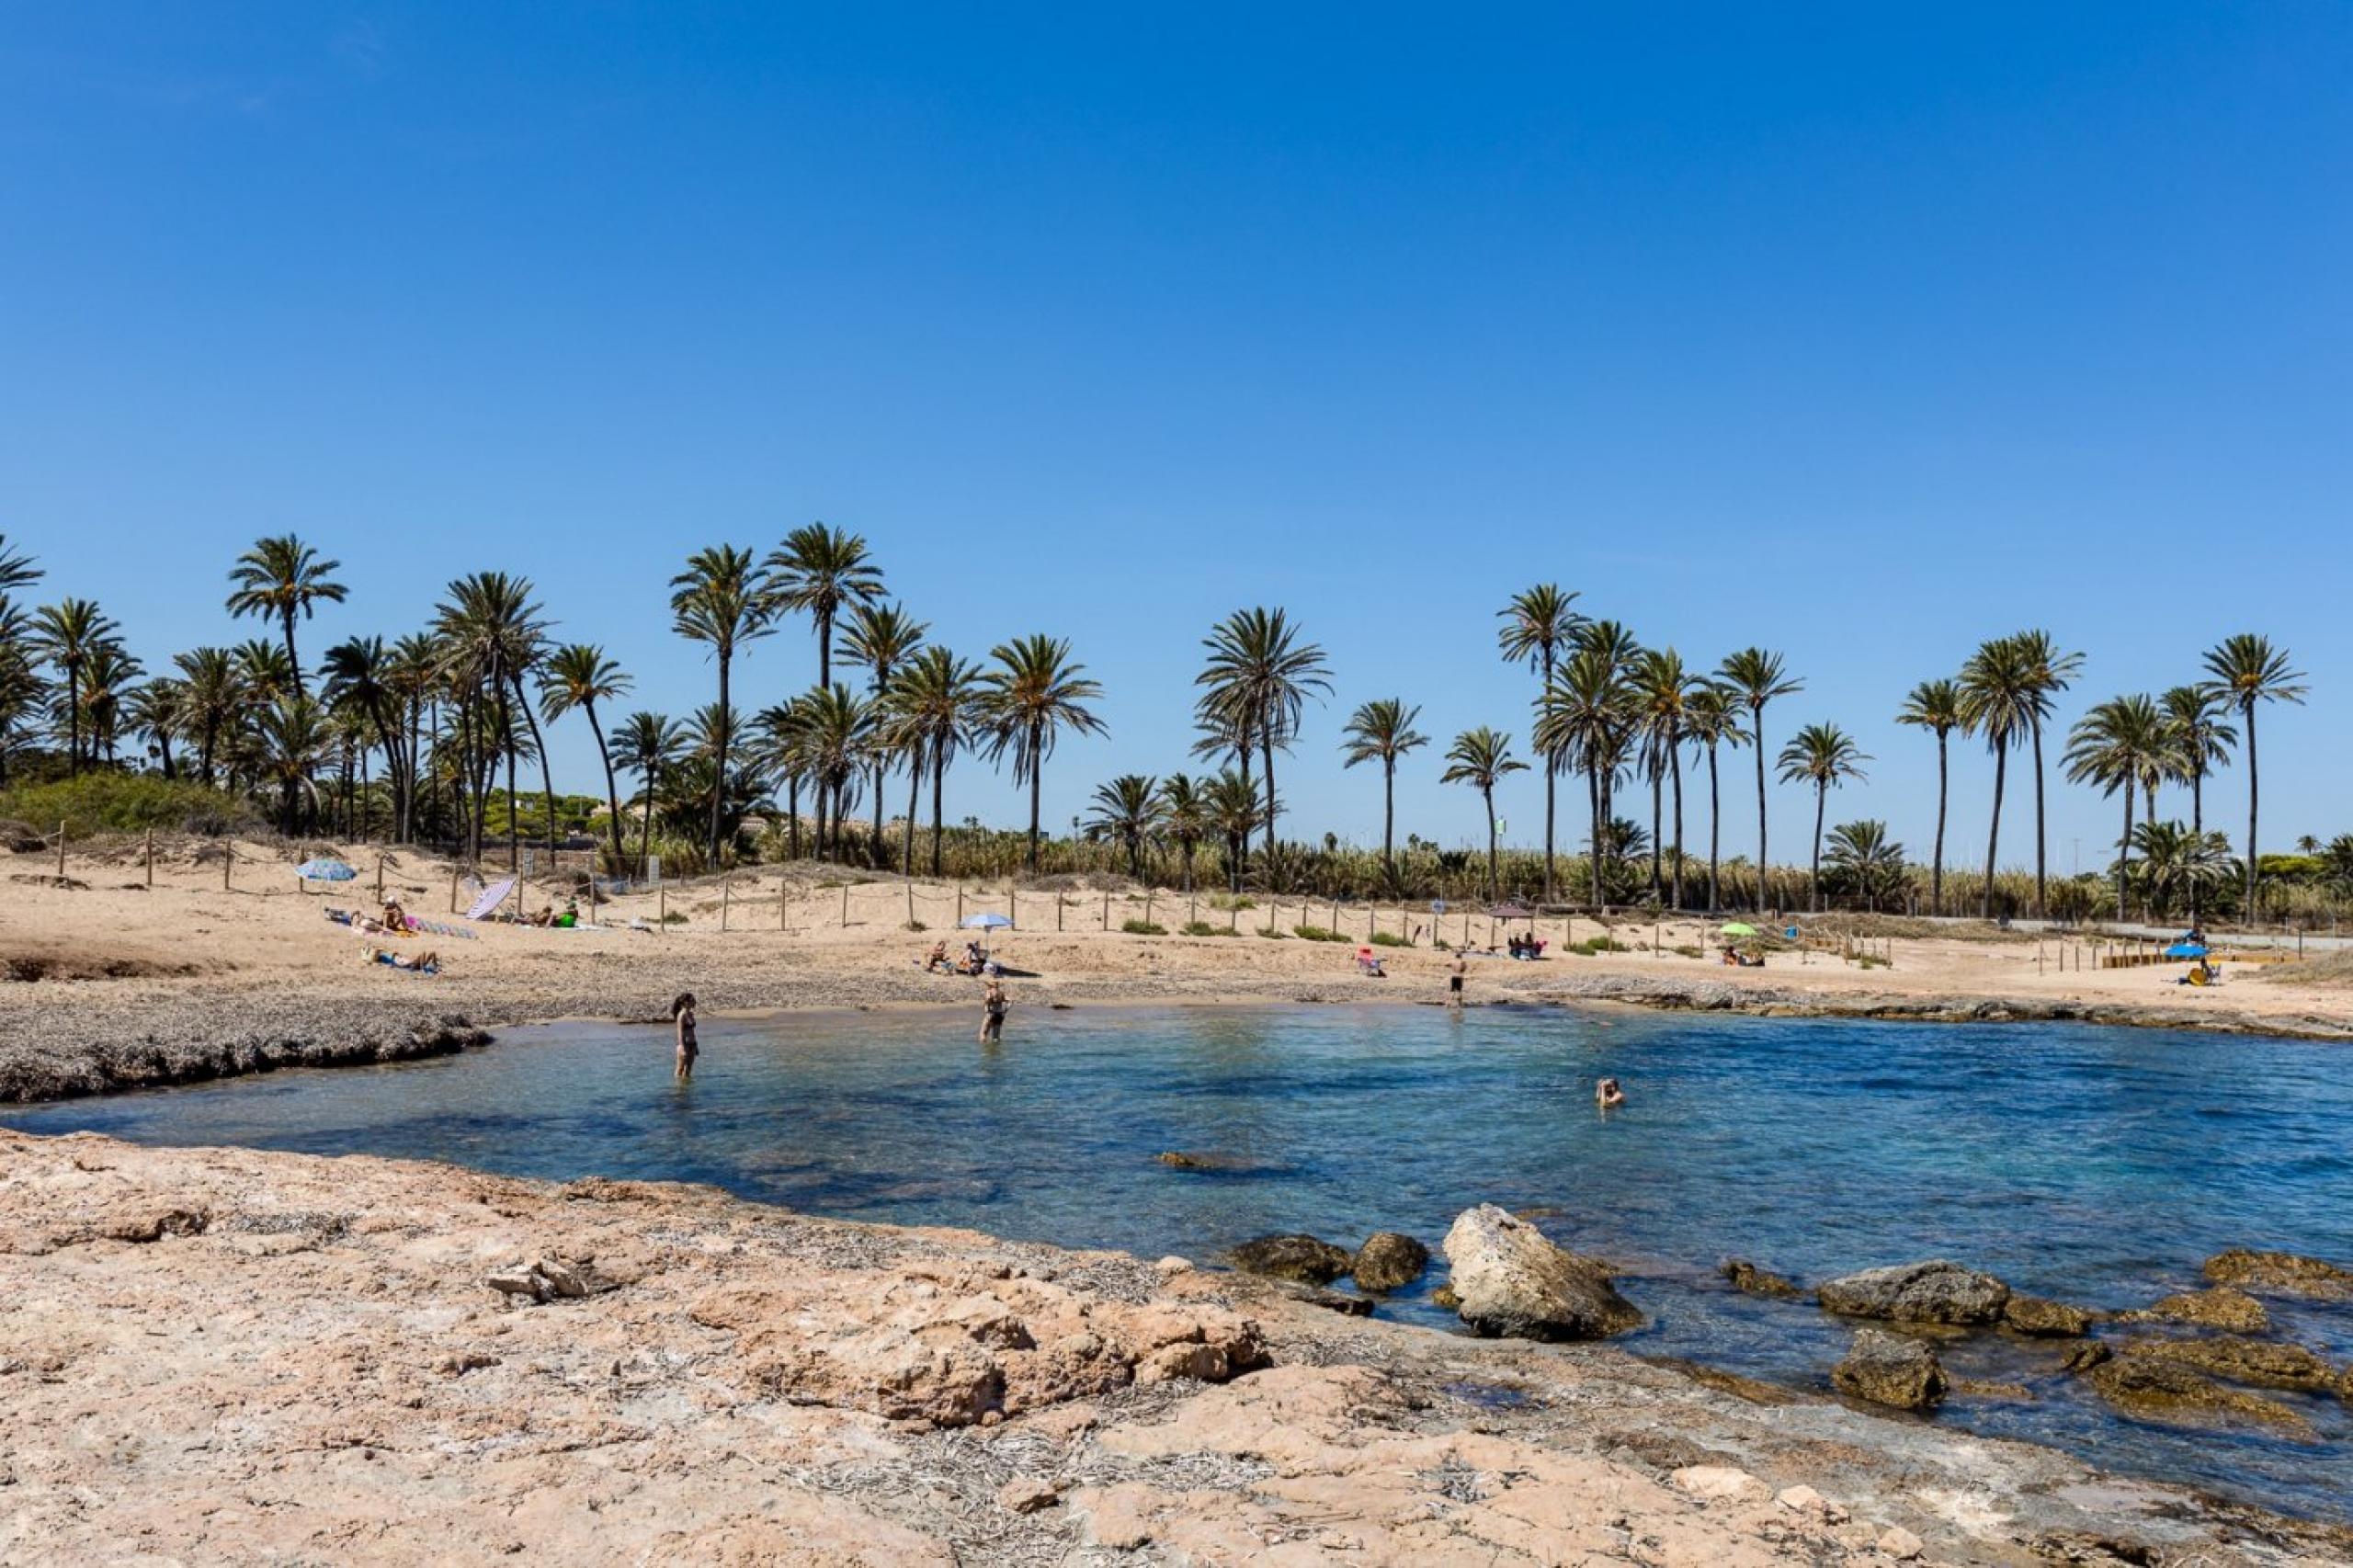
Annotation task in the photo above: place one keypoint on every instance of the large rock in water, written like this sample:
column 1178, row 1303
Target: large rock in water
column 1301, row 1259
column 2159, row 1389
column 1389, row 1261
column 1888, row 1368
column 1936, row 1291
column 1751, row 1280
column 2221, row 1307
column 1510, row 1282
column 2033, row 1314
column 2263, row 1362
column 2285, row 1272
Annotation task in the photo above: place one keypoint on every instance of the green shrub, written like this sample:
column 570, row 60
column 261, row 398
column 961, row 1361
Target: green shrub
column 1686, row 948
column 1231, row 901
column 1319, row 934
column 1272, row 935
column 1203, row 928
column 1144, row 927
column 129, row 803
column 914, row 925
column 1593, row 945
column 1388, row 939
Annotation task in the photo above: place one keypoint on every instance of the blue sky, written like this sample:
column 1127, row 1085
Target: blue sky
column 1859, row 333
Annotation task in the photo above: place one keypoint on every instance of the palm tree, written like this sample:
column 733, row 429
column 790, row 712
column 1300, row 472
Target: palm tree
column 1756, row 677
column 1126, row 811
column 1184, row 816
column 880, row 638
column 645, row 744
column 1538, row 624
column 492, row 638
column 1480, row 758
column 2177, row 861
column 17, row 569
column 822, row 572
column 22, row 693
column 1256, row 682
column 1234, row 807
column 264, row 670
column 1935, row 706
column 1825, row 756
column 1660, row 692
column 2120, row 745
column 1863, row 857
column 278, row 579
column 107, row 681
column 71, row 634
column 157, row 710
column 2050, row 672
column 213, row 693
column 1581, row 721
column 579, row 676
column 934, row 704
column 1382, row 730
column 827, row 731
column 1035, row 692
column 1712, row 720
column 295, row 738
column 1998, row 700
column 2248, row 670
column 724, row 599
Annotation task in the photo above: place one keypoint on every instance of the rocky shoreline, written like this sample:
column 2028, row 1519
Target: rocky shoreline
column 228, row 1355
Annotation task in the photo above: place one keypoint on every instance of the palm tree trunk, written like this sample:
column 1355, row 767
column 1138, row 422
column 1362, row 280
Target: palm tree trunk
column 1388, row 823
column 939, row 781
column 1659, row 785
column 2197, row 827
column 2251, row 792
column 612, row 791
column 1994, row 836
column 1937, row 866
column 645, row 826
column 1267, row 753
column 1813, row 873
column 2124, row 851
column 719, row 766
column 546, row 775
column 1715, row 827
column 1593, row 857
column 73, row 723
column 1036, row 771
column 1490, row 793
column 1674, row 763
column 2040, row 901
column 288, row 616
column 1763, row 864
column 914, row 799
column 792, row 816
column 1550, row 890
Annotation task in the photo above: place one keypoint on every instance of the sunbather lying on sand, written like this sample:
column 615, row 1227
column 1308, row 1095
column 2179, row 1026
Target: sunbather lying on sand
column 423, row 963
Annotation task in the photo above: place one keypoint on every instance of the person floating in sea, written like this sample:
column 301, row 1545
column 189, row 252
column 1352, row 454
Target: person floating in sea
column 992, row 1006
column 682, row 1013
column 1454, row 973
column 1608, row 1094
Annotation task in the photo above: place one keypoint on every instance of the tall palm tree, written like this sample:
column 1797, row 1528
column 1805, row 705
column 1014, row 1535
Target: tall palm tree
column 1825, row 756
column 492, row 636
column 647, row 745
column 2050, row 671
column 278, row 579
column 210, row 707
column 295, row 738
column 1538, row 624
column 1035, row 692
column 1125, row 811
column 579, row 676
column 1862, row 857
column 107, row 681
column 1661, row 692
column 725, row 599
column 2202, row 743
column 1382, row 730
column 1999, row 697
column 2177, row 861
column 2120, row 745
column 1184, row 816
column 934, row 705
column 828, row 731
column 1756, row 677
column 1581, row 721
column 358, row 673
column 1711, row 720
column 1234, row 806
column 157, row 710
column 1935, row 706
column 1257, row 681
column 880, row 638
column 71, row 634
column 2248, row 670
column 822, row 571
column 1479, row 757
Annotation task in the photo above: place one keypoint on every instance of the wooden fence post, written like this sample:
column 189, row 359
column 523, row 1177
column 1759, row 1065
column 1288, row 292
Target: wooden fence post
column 959, row 905
column 1147, row 905
column 726, row 886
column 662, row 905
column 151, row 857
column 1013, row 904
column 845, row 906
column 380, row 871
column 60, row 849
column 453, row 890
column 1059, row 901
column 228, row 858
column 1107, row 912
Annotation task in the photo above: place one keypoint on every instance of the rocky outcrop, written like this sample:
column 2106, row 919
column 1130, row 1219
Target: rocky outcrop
column 2036, row 1315
column 1389, row 1261
column 2262, row 1362
column 1749, row 1280
column 1935, row 1291
column 1890, row 1369
column 2221, row 1307
column 2283, row 1273
column 1510, row 1282
column 1302, row 1260
column 549, row 1279
column 2155, row 1389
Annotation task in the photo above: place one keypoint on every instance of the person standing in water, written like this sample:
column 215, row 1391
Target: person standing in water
column 1608, row 1094
column 992, row 1006
column 1454, row 973
column 682, row 1013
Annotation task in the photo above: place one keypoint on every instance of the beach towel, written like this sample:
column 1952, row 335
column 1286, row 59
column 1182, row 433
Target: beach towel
column 492, row 897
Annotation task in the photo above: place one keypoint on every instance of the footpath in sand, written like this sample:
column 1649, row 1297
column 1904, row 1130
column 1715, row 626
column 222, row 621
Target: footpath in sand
column 226, row 1356
column 116, row 984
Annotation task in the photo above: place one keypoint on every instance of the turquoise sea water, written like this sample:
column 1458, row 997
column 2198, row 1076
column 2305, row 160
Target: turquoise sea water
column 2096, row 1165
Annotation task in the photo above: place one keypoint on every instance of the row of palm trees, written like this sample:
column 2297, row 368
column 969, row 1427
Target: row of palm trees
column 445, row 707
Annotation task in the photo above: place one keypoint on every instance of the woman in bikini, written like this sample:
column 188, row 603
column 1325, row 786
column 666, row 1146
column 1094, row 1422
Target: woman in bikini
column 992, row 1006
column 682, row 1012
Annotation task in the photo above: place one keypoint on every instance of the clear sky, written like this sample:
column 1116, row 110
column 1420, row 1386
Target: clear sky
column 1856, row 332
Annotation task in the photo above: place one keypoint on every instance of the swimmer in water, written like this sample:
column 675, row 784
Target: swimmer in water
column 1608, row 1094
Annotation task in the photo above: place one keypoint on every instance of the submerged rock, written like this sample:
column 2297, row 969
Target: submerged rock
column 1935, row 1291
column 2234, row 1311
column 1749, row 1280
column 2260, row 1361
column 2156, row 1390
column 2083, row 1355
column 1890, row 1369
column 1510, row 1282
column 2033, row 1314
column 1389, row 1261
column 1301, row 1258
column 2287, row 1273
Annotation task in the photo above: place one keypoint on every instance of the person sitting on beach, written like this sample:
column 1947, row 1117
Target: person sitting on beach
column 682, row 1015
column 1608, row 1094
column 973, row 962
column 1370, row 962
column 937, row 960
column 395, row 917
column 570, row 918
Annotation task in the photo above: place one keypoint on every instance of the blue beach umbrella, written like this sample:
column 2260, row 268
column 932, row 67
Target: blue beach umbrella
column 2186, row 951
column 325, row 871
column 987, row 921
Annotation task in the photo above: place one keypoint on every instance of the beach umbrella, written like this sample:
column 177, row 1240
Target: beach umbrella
column 987, row 920
column 1737, row 928
column 1508, row 911
column 492, row 897
column 2186, row 951
column 325, row 871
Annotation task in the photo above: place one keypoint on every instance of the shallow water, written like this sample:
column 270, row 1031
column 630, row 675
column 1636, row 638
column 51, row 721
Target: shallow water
column 2095, row 1165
